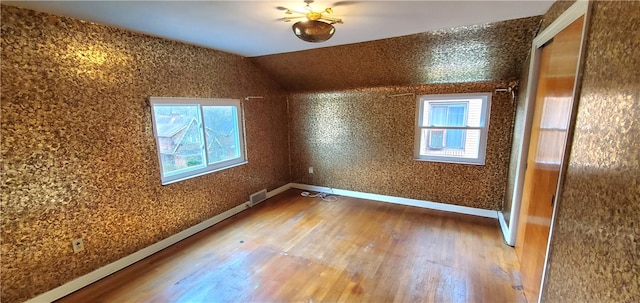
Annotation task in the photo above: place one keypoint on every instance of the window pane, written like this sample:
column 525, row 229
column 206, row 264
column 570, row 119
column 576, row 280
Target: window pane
column 179, row 138
column 436, row 138
column 476, row 113
column 438, row 115
column 453, row 128
column 456, row 116
column 221, row 128
column 453, row 114
column 469, row 147
column 455, row 138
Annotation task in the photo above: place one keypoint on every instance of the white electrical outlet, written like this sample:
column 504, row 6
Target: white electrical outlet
column 77, row 245
column 311, row 169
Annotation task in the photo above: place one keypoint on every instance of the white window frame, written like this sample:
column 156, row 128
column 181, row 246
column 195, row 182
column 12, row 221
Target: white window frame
column 452, row 98
column 209, row 168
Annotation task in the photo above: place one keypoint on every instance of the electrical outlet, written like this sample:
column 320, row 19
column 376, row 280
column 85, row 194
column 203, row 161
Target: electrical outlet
column 311, row 169
column 77, row 245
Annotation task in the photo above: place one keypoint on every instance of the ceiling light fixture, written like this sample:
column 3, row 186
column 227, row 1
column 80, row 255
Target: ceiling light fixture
column 315, row 27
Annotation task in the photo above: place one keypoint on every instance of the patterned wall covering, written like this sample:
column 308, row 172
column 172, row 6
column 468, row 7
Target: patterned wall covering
column 78, row 154
column 595, row 254
column 362, row 140
column 79, row 160
column 556, row 9
column 467, row 54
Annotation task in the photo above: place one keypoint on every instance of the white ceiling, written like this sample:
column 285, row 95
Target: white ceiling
column 252, row 28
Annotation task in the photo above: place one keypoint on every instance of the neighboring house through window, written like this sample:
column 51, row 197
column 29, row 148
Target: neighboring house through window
column 449, row 114
column 452, row 128
column 196, row 136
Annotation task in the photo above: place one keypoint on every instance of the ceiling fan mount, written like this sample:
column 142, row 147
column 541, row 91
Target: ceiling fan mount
column 311, row 14
column 314, row 26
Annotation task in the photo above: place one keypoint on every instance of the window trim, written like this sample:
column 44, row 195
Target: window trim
column 484, row 130
column 208, row 168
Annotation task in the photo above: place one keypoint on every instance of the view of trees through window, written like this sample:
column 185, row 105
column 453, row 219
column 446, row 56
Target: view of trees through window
column 221, row 127
column 196, row 138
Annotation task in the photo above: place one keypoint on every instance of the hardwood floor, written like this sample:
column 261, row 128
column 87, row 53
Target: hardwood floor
column 298, row 249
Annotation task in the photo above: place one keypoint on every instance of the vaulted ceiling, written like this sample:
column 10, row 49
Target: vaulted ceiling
column 380, row 42
column 495, row 51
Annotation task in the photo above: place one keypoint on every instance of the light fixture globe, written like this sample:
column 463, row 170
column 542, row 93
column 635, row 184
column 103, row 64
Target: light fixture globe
column 313, row 30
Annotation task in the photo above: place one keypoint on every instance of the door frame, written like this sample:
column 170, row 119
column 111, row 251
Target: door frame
column 579, row 9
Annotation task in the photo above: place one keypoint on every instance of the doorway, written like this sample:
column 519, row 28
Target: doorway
column 551, row 117
column 552, row 95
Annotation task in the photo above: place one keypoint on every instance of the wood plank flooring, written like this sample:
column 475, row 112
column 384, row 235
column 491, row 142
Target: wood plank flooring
column 298, row 249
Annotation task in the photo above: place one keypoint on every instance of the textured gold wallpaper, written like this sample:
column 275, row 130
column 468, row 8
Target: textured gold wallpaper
column 78, row 154
column 79, row 159
column 462, row 55
column 557, row 8
column 362, row 140
column 595, row 253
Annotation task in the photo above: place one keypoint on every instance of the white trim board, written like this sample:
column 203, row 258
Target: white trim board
column 120, row 264
column 505, row 229
column 402, row 201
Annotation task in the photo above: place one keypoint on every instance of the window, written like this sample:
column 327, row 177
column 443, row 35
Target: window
column 196, row 136
column 452, row 128
column 449, row 114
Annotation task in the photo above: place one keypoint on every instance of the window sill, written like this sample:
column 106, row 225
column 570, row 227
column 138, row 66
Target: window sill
column 204, row 173
column 450, row 160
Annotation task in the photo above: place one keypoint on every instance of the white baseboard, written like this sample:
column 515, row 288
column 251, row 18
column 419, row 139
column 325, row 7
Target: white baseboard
column 278, row 190
column 403, row 201
column 111, row 268
column 505, row 229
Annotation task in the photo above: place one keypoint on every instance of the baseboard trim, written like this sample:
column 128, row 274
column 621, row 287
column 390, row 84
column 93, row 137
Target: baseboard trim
column 402, row 201
column 505, row 229
column 120, row 264
column 278, row 190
